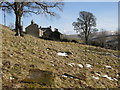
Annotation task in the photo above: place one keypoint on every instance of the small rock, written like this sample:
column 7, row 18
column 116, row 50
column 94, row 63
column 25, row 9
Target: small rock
column 48, row 49
column 95, row 77
column 40, row 76
column 64, row 76
column 117, row 75
column 62, row 54
column 80, row 65
column 53, row 65
column 71, row 64
column 107, row 53
column 88, row 65
column 11, row 78
column 109, row 67
column 110, row 78
column 98, row 73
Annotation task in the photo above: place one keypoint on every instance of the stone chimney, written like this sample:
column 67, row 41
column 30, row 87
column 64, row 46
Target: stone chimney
column 56, row 29
column 50, row 27
column 32, row 22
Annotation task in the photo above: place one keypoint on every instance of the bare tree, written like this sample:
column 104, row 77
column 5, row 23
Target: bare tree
column 20, row 8
column 102, row 37
column 85, row 24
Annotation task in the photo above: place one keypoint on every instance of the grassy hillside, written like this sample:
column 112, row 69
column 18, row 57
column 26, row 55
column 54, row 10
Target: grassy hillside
column 20, row 54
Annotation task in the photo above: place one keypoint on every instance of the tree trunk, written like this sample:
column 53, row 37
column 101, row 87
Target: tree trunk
column 86, row 39
column 18, row 27
column 86, row 33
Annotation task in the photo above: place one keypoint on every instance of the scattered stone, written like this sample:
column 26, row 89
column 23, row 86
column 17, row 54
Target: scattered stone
column 95, row 77
column 107, row 53
column 11, row 55
column 64, row 76
column 71, row 64
column 39, row 76
column 62, row 54
column 51, row 49
column 71, row 76
column 53, row 65
column 98, row 73
column 118, row 74
column 11, row 78
column 109, row 67
column 48, row 49
column 110, row 78
column 88, row 65
column 115, row 79
column 80, row 65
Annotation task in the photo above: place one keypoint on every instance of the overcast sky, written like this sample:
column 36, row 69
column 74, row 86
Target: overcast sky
column 105, row 12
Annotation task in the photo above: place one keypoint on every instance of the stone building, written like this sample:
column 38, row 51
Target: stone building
column 40, row 32
column 45, row 32
column 32, row 29
column 56, row 35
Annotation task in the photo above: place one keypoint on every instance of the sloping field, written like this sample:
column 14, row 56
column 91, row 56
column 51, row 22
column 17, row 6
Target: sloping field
column 74, row 65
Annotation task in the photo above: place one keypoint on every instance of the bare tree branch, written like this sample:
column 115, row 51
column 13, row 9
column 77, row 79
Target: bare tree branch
column 20, row 8
column 9, row 4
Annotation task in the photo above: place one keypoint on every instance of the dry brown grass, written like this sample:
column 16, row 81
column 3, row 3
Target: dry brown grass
column 29, row 50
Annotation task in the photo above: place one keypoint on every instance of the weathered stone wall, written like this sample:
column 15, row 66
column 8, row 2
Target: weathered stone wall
column 33, row 30
column 56, row 35
column 47, row 34
column 40, row 33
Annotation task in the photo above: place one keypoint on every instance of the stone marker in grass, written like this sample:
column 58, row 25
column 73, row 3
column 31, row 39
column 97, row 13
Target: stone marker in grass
column 40, row 76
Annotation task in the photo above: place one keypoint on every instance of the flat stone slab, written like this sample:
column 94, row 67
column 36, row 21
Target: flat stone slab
column 39, row 76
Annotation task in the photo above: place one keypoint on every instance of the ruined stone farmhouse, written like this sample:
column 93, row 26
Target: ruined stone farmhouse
column 40, row 32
